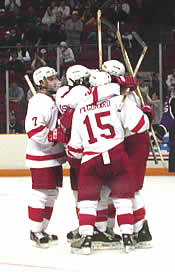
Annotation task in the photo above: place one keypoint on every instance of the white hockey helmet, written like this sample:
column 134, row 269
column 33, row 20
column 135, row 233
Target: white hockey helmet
column 99, row 78
column 77, row 75
column 114, row 67
column 43, row 73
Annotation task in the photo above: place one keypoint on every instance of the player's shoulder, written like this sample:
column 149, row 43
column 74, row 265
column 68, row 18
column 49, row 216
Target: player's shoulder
column 61, row 92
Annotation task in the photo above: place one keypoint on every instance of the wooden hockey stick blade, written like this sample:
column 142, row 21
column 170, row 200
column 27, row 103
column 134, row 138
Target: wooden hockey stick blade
column 158, row 148
column 30, row 84
column 139, row 39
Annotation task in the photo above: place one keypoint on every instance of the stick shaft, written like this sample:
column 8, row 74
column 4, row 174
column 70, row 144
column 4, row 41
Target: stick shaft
column 129, row 67
column 99, row 39
column 30, row 84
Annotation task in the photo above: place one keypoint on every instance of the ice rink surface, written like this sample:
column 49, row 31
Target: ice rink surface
column 17, row 254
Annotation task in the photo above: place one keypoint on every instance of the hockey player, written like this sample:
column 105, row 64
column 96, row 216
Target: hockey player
column 167, row 124
column 137, row 147
column 67, row 99
column 44, row 155
column 97, row 138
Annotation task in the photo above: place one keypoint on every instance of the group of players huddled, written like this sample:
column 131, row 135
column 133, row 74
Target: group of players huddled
column 106, row 148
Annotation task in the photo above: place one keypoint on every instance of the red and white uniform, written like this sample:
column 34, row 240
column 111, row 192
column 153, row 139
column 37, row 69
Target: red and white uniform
column 97, row 137
column 44, row 160
column 104, row 127
column 42, row 115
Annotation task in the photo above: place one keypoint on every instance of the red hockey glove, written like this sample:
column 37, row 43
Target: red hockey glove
column 149, row 112
column 58, row 135
column 127, row 82
column 66, row 119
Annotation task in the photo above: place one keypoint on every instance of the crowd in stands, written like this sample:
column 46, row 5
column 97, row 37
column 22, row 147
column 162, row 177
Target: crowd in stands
column 31, row 31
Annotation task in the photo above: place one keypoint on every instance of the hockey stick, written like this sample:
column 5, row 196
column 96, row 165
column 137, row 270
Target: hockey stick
column 130, row 70
column 99, row 39
column 30, row 84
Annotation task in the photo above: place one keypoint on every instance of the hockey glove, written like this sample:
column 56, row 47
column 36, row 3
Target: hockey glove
column 66, row 120
column 160, row 132
column 149, row 112
column 58, row 135
column 127, row 82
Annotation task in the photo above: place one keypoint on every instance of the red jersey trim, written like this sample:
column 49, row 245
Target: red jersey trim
column 139, row 125
column 90, row 153
column 95, row 95
column 45, row 157
column 35, row 131
column 76, row 150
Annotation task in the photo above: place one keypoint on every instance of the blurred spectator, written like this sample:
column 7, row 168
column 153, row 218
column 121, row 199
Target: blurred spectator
column 15, row 36
column 11, row 4
column 14, row 65
column 144, row 88
column 50, row 14
column 22, row 53
column 30, row 35
column 155, row 90
column 120, row 10
column 56, row 33
column 17, row 18
column 16, row 93
column 171, row 79
column 63, row 9
column 67, row 57
column 74, row 29
column 31, row 17
column 40, row 59
column 15, row 126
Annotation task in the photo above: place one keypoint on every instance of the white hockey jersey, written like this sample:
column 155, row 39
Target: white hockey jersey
column 96, row 128
column 42, row 115
column 67, row 97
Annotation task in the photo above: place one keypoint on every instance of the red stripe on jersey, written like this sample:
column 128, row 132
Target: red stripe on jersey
column 35, row 131
column 90, row 153
column 45, row 157
column 139, row 125
column 95, row 95
column 76, row 150
column 65, row 93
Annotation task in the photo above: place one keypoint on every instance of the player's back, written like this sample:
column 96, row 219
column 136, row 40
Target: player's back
column 99, row 125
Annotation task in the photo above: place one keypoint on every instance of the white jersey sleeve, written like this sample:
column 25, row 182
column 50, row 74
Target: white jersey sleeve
column 67, row 97
column 133, row 118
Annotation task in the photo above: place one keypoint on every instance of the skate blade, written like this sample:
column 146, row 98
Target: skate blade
column 81, row 251
column 53, row 243
column 34, row 244
column 103, row 245
column 128, row 249
column 147, row 244
column 72, row 240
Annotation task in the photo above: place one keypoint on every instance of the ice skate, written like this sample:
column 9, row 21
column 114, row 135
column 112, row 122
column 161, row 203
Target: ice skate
column 103, row 240
column 128, row 243
column 73, row 235
column 82, row 245
column 39, row 239
column 143, row 239
column 113, row 234
column 53, row 239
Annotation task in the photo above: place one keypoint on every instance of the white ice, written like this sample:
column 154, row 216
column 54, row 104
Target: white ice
column 17, row 254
